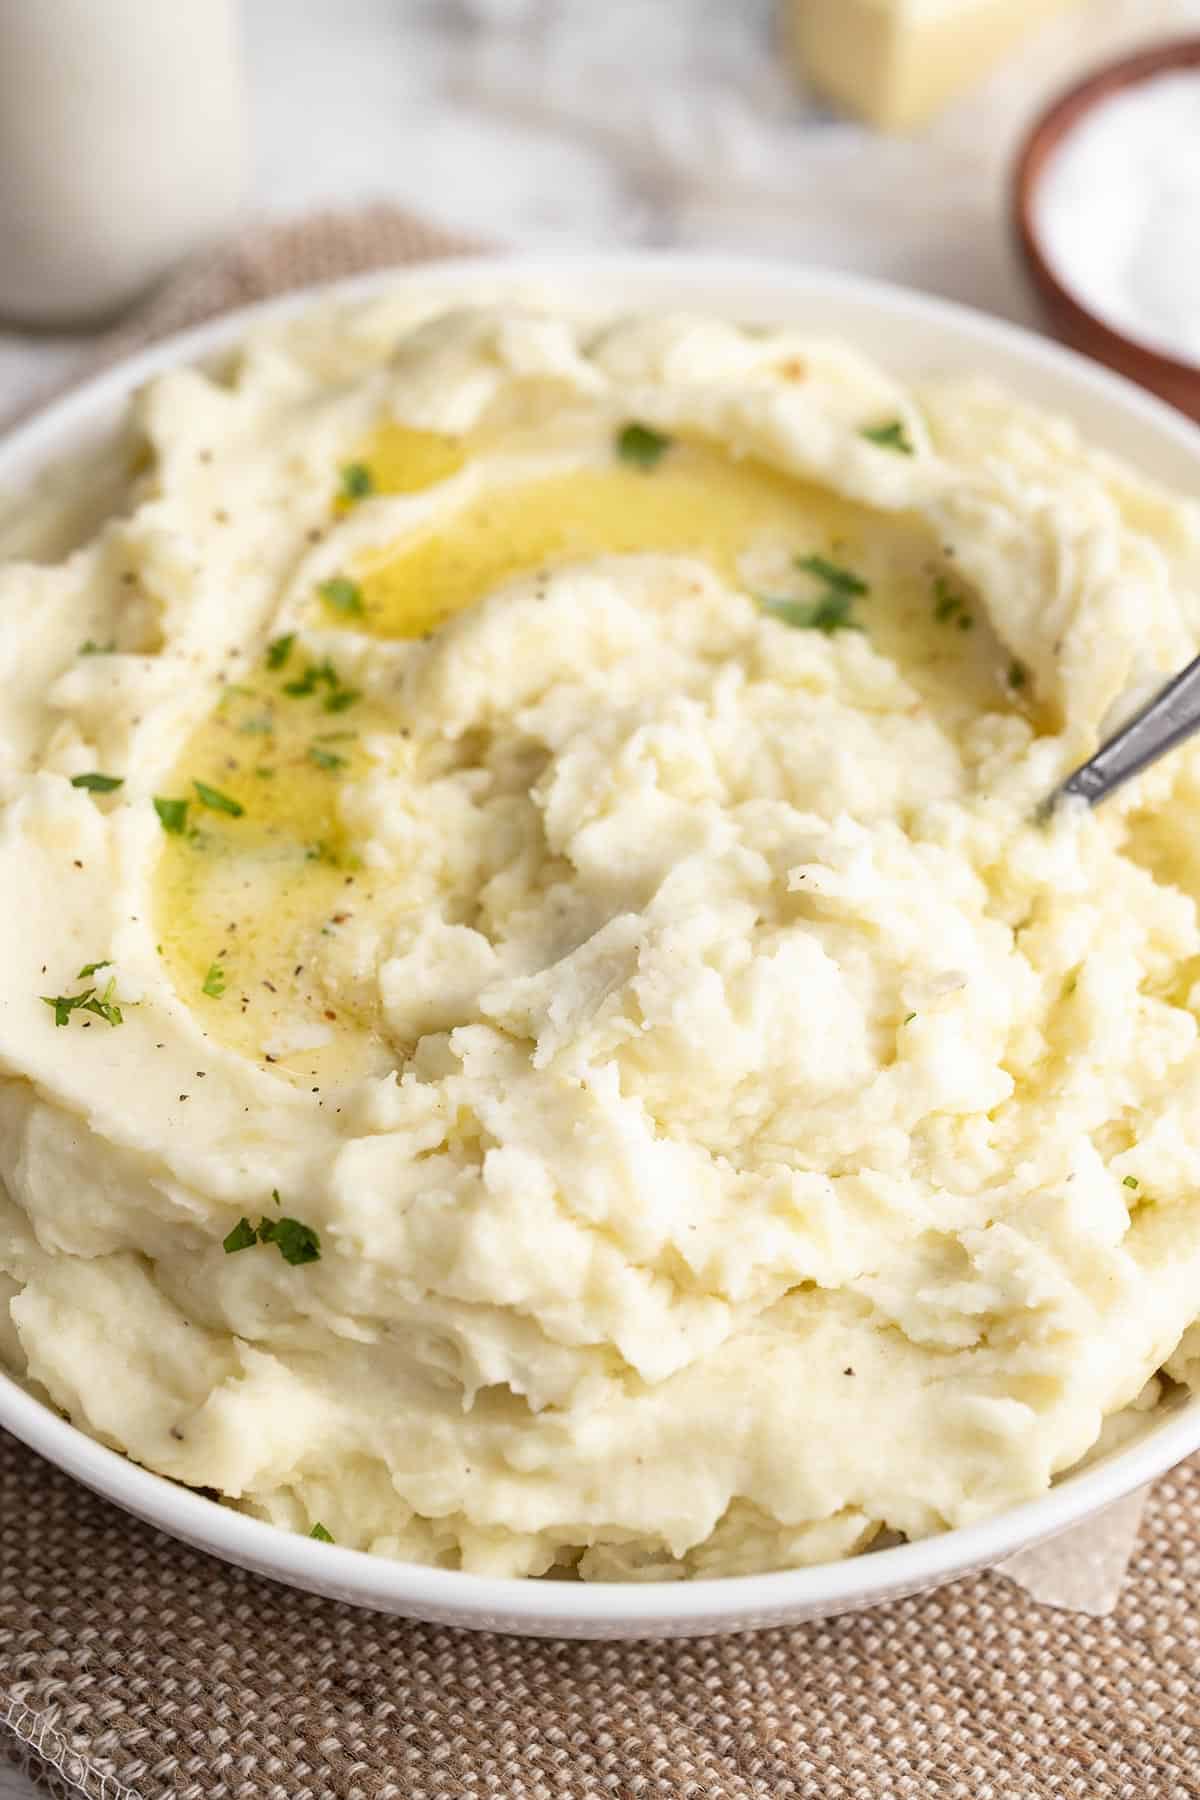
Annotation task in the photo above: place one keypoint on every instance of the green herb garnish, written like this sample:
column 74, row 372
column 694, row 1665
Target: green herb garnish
column 325, row 759
column 65, row 1004
column 104, row 1005
column 641, row 445
column 96, row 783
column 892, row 436
column 829, row 614
column 216, row 801
column 172, row 814
column 1131, row 1181
column 90, row 968
column 91, row 648
column 343, row 595
column 322, row 675
column 319, row 1532
column 279, row 649
column 242, row 1237
column 339, row 700
column 357, row 481
column 842, row 581
column 296, row 1243
column 214, row 981
column 313, row 677
column 909, row 1019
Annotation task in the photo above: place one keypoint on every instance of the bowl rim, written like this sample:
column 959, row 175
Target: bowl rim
column 1050, row 128
column 87, row 413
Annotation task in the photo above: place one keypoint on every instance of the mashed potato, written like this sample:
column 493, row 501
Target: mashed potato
column 538, row 1030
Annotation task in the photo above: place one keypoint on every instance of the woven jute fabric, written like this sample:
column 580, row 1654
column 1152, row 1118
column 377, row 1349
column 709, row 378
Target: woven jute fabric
column 135, row 1669
column 163, row 1672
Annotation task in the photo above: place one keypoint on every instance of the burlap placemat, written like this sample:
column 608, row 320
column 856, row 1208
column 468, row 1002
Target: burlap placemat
column 134, row 1669
column 168, row 1674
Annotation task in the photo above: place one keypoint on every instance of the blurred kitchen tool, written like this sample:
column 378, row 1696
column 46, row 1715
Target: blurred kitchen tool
column 896, row 62
column 122, row 147
column 1080, row 307
column 1165, row 722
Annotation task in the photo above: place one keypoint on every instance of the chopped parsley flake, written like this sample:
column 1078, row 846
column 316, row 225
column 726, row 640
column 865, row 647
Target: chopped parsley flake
column 909, row 1019
column 641, row 445
column 891, row 436
column 91, row 648
column 339, row 700
column 296, row 1243
column 829, row 614
column 172, row 814
column 96, row 783
column 1131, row 1181
column 90, row 968
column 325, row 759
column 313, row 677
column 279, row 649
column 216, row 801
column 214, row 981
column 357, row 481
column 242, row 1237
column 343, row 595
column 842, row 581
column 831, row 611
column 65, row 1004
column 104, row 1005
column 319, row 1532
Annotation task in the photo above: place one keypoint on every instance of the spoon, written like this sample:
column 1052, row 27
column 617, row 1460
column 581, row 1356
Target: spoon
column 1169, row 719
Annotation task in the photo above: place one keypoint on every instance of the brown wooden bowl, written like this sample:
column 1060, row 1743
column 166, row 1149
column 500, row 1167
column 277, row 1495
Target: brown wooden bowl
column 1065, row 312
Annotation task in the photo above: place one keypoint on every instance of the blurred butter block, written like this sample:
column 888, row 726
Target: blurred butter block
column 895, row 62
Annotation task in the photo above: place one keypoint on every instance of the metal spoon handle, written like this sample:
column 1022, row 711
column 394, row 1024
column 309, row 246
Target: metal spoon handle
column 1170, row 718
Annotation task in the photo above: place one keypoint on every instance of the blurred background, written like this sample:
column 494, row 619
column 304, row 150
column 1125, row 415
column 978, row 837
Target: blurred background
column 697, row 123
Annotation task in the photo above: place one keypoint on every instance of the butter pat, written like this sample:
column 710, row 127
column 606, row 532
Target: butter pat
column 895, row 62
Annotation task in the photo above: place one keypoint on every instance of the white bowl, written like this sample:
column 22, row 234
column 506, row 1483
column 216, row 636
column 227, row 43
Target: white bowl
column 912, row 334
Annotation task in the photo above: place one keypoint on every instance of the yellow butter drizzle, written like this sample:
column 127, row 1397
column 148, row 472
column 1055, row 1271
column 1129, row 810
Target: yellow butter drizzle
column 257, row 896
column 262, row 893
column 696, row 502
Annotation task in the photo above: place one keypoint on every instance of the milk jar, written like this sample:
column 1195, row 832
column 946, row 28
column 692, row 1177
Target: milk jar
column 122, row 148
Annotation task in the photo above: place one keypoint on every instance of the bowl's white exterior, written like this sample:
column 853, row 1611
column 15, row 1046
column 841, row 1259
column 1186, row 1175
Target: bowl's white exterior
column 911, row 333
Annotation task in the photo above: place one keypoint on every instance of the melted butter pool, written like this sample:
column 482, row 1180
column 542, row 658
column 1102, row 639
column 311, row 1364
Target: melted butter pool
column 266, row 896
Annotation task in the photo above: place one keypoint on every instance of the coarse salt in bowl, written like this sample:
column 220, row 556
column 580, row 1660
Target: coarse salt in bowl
column 1107, row 213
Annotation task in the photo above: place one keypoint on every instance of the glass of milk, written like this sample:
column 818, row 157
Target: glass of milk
column 122, row 148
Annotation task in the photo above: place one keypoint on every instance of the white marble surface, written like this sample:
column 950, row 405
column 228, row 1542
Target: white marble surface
column 543, row 122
